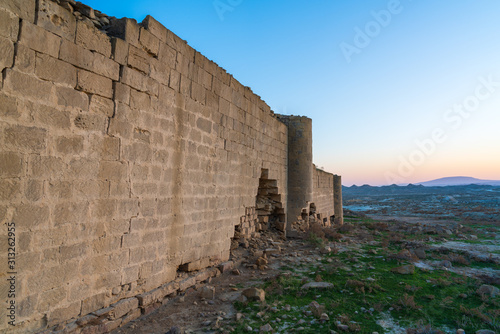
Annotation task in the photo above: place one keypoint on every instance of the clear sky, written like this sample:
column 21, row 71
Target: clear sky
column 399, row 91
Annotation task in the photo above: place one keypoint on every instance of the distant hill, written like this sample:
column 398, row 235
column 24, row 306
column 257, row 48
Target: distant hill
column 458, row 181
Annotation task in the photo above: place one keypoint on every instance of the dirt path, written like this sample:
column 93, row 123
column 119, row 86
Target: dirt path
column 192, row 314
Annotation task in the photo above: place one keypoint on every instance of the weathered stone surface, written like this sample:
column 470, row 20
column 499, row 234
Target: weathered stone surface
column 139, row 59
column 96, row 84
column 56, row 19
column 25, row 59
column 254, row 294
column 39, row 39
column 69, row 98
column 155, row 28
column 120, row 50
column 124, row 306
column 52, row 69
column 64, row 313
column 139, row 81
column 91, row 61
column 26, row 138
column 27, row 86
column 25, row 9
column 404, row 270
column 317, row 285
column 207, row 292
column 102, row 105
column 9, row 25
column 488, row 290
column 8, row 107
column 149, row 42
column 88, row 36
column 226, row 266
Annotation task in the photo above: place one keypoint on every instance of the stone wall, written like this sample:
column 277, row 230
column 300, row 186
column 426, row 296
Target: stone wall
column 125, row 155
column 127, row 158
column 323, row 197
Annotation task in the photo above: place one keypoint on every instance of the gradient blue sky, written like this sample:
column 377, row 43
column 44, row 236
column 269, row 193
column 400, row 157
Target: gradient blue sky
column 369, row 113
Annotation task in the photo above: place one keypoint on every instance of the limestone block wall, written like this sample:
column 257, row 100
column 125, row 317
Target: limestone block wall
column 125, row 155
column 323, row 196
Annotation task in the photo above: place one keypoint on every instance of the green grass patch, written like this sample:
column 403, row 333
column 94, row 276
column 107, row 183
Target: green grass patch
column 365, row 289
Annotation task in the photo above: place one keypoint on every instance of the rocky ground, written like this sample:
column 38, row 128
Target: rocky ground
column 471, row 202
column 381, row 275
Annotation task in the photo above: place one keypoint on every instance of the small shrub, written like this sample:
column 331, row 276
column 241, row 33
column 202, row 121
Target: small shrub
column 346, row 228
column 409, row 302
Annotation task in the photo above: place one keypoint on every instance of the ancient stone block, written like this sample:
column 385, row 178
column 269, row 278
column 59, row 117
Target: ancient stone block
column 69, row 213
column 39, row 39
column 69, row 252
column 96, row 84
column 92, row 122
column 126, row 29
column 132, row 315
column 204, row 125
column 31, row 216
column 119, row 49
column 83, row 168
column 185, row 86
column 120, row 128
column 139, row 59
column 94, row 303
column 95, row 62
column 25, row 59
column 187, row 283
column 124, row 306
column 25, row 9
column 9, row 25
column 88, row 36
column 59, row 189
column 22, row 84
column 112, row 170
column 64, row 313
column 9, row 189
column 160, row 71
column 52, row 69
column 139, row 81
column 109, row 148
column 137, row 152
column 56, row 19
column 50, row 116
column 102, row 105
column 155, row 28
column 197, row 92
column 52, row 298
column 122, row 93
column 149, row 42
column 175, row 80
column 43, row 166
column 8, row 107
column 26, row 138
column 69, row 145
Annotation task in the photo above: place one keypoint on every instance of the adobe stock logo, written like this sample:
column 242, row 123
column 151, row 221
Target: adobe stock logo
column 223, row 6
column 453, row 118
column 363, row 37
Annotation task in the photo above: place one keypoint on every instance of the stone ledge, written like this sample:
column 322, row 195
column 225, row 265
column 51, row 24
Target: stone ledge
column 128, row 309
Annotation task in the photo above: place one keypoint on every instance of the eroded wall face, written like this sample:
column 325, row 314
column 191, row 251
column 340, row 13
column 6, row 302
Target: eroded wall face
column 121, row 158
column 323, row 195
